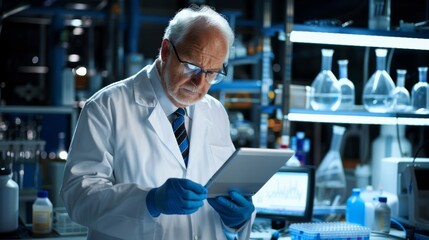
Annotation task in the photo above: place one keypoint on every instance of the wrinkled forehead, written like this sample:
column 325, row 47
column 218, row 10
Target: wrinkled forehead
column 206, row 39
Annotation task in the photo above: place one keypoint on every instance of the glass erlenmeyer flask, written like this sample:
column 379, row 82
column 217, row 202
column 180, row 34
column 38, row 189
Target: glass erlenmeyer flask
column 325, row 91
column 401, row 96
column 378, row 91
column 346, row 86
column 330, row 177
column 420, row 92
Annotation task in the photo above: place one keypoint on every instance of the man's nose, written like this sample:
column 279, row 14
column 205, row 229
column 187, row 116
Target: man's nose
column 199, row 78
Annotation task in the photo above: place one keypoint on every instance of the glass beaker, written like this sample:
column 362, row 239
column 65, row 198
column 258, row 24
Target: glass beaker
column 347, row 87
column 378, row 91
column 330, row 177
column 325, row 91
column 401, row 96
column 419, row 93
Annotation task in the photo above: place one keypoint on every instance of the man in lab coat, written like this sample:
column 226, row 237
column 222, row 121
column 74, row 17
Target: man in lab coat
column 125, row 176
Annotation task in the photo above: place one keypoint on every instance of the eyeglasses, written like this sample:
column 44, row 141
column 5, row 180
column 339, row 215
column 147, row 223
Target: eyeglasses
column 191, row 69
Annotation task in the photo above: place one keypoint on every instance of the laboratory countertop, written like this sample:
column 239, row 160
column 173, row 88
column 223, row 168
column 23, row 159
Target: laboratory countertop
column 394, row 234
column 261, row 230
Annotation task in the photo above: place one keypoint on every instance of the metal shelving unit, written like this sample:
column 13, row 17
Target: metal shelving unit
column 344, row 36
column 72, row 111
column 358, row 37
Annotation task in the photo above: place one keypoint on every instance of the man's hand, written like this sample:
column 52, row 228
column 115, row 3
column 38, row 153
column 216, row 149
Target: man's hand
column 234, row 210
column 176, row 196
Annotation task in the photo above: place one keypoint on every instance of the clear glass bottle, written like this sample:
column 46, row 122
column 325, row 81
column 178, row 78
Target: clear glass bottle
column 419, row 92
column 325, row 91
column 42, row 214
column 347, row 87
column 355, row 208
column 382, row 216
column 378, row 91
column 330, row 177
column 401, row 96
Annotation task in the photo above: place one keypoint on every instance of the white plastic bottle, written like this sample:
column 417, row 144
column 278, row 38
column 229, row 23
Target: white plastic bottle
column 387, row 145
column 9, row 200
column 42, row 213
column 382, row 216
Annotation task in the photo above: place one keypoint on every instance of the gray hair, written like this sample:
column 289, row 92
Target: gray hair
column 184, row 19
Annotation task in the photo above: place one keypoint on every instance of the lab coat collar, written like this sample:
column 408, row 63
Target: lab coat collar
column 144, row 92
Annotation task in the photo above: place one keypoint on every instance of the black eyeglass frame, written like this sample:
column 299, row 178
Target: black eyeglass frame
column 215, row 80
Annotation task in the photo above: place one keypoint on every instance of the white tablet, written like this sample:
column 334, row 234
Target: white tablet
column 247, row 170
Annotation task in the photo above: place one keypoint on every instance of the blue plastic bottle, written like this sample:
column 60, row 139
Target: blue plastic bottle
column 355, row 208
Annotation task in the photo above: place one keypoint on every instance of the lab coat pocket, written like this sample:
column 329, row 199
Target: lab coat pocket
column 220, row 155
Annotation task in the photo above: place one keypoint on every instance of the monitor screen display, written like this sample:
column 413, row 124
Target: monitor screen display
column 287, row 195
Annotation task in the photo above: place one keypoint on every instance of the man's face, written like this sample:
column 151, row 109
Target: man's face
column 204, row 48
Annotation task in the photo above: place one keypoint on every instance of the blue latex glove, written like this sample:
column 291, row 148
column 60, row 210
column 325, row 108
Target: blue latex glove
column 234, row 210
column 176, row 196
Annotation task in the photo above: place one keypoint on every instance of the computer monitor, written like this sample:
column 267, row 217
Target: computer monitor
column 288, row 196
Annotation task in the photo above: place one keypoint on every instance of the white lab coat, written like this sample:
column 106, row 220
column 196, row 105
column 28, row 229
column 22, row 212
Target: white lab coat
column 124, row 145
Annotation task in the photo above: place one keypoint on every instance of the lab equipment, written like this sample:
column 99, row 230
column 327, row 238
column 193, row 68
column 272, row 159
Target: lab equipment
column 391, row 142
column 42, row 213
column 325, row 91
column 9, row 201
column 370, row 197
column 381, row 216
column 329, row 230
column 406, row 181
column 379, row 15
column 419, row 92
column 330, row 177
column 347, row 87
column 247, row 170
column 401, row 96
column 378, row 91
column 233, row 210
column 176, row 196
column 362, row 175
column 355, row 208
column 288, row 196
column 63, row 225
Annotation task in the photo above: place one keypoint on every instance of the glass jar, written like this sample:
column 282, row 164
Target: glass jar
column 325, row 91
column 378, row 91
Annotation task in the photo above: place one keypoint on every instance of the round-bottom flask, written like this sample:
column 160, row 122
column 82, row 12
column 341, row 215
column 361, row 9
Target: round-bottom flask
column 378, row 91
column 325, row 91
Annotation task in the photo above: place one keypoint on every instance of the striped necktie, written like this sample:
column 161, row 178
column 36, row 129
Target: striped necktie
column 180, row 133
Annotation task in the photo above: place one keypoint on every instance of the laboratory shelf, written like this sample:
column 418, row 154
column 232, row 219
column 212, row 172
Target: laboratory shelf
column 250, row 59
column 358, row 116
column 349, row 36
column 69, row 110
column 248, row 86
column 38, row 109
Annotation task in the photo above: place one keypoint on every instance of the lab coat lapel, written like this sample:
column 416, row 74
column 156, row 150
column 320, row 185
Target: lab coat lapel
column 200, row 125
column 164, row 130
column 145, row 96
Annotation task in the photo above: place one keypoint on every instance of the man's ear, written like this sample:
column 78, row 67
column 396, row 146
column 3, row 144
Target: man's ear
column 165, row 49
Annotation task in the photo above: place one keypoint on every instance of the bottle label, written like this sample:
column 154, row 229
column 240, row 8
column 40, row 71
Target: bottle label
column 42, row 222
